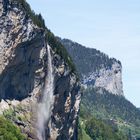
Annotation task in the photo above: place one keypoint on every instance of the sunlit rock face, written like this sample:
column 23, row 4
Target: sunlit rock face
column 19, row 52
column 96, row 68
column 109, row 79
column 23, row 69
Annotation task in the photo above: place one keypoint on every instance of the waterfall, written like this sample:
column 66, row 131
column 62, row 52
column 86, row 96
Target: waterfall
column 46, row 104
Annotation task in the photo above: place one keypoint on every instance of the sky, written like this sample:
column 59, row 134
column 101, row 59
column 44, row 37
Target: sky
column 110, row 26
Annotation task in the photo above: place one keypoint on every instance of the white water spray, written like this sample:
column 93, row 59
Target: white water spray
column 46, row 105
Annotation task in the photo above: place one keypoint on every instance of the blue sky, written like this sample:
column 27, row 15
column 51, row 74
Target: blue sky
column 110, row 26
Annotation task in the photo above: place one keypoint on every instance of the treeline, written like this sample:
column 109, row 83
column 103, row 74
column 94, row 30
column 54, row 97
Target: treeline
column 8, row 131
column 87, row 59
column 99, row 130
column 59, row 49
column 110, row 106
column 113, row 110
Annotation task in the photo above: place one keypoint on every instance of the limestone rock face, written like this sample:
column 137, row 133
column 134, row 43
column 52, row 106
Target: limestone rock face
column 23, row 69
column 108, row 79
column 19, row 41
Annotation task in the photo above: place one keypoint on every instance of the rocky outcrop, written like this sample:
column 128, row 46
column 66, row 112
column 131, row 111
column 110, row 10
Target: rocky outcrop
column 108, row 79
column 19, row 46
column 23, row 69
column 96, row 68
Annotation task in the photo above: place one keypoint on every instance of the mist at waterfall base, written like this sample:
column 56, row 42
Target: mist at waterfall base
column 46, row 104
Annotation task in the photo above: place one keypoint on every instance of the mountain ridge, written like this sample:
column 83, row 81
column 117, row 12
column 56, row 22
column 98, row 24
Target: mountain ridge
column 95, row 68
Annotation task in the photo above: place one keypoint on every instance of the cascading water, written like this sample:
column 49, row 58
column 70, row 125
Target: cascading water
column 46, row 104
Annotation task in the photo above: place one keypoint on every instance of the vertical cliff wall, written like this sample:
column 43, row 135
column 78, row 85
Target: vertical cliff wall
column 23, row 69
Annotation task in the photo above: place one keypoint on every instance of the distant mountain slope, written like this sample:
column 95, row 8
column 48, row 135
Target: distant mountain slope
column 87, row 60
column 95, row 68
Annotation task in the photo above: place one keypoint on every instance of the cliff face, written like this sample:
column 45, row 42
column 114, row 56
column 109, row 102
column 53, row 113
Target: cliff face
column 108, row 79
column 95, row 68
column 23, row 69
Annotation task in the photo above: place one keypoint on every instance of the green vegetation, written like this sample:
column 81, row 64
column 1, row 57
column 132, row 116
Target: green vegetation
column 94, row 129
column 82, row 135
column 108, row 111
column 59, row 49
column 87, row 59
column 108, row 105
column 17, row 113
column 98, row 130
column 9, row 131
column 9, row 114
